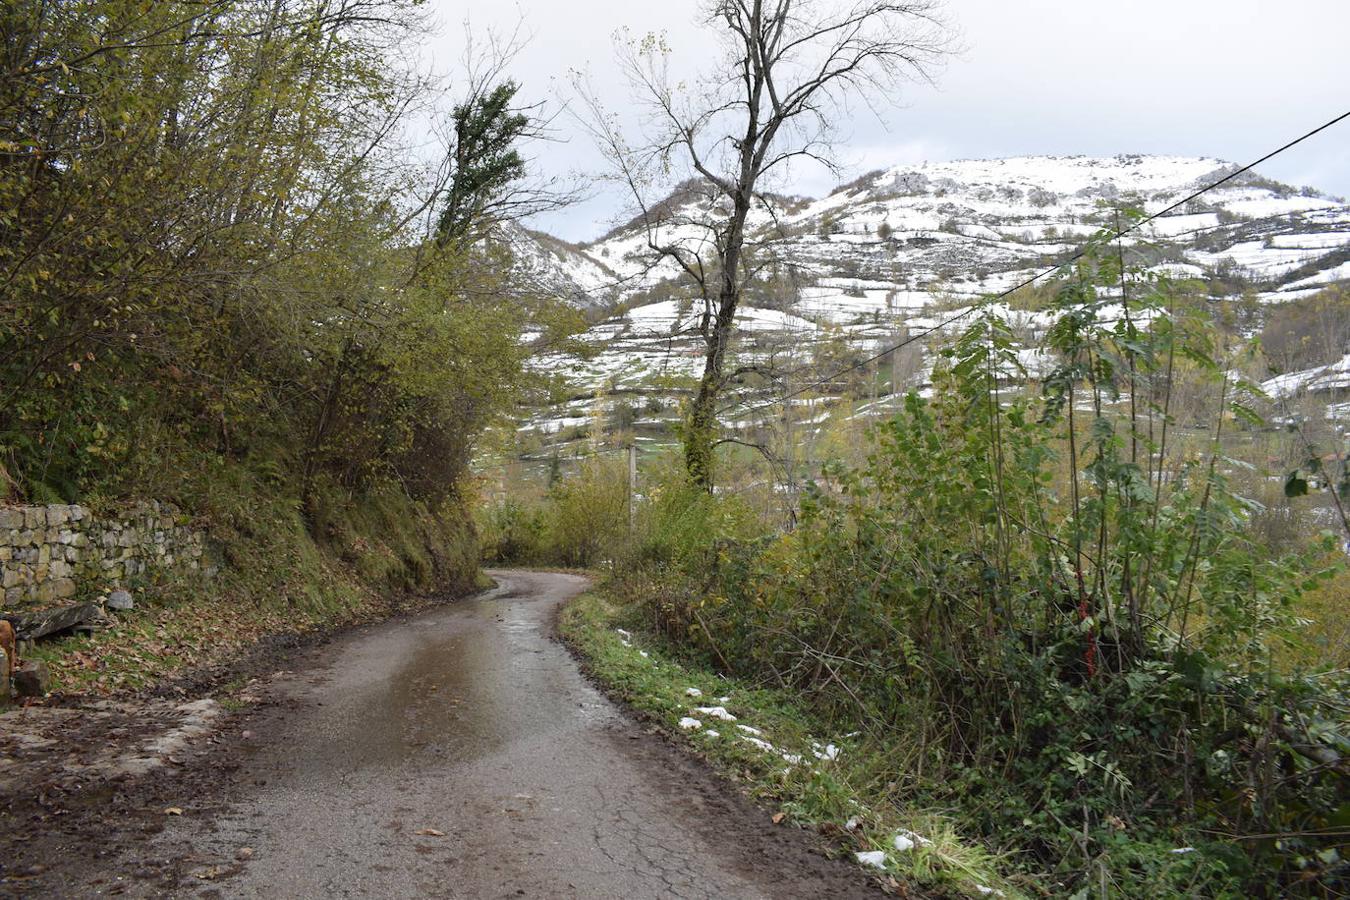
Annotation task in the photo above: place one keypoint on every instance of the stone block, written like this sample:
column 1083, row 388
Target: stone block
column 59, row 568
column 24, row 538
column 11, row 519
column 14, row 596
column 6, row 553
column 63, row 588
column 58, row 515
column 12, row 577
column 31, row 678
column 81, row 540
column 34, row 517
column 44, row 555
column 78, row 513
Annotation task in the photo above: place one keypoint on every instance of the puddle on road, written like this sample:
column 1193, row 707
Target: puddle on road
column 467, row 683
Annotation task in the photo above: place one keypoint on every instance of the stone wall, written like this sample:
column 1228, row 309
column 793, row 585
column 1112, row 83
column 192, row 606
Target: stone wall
column 52, row 553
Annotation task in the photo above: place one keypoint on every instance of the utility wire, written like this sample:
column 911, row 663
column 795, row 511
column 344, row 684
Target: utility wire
column 1041, row 274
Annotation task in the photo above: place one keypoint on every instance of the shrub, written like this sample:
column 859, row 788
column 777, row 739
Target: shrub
column 1054, row 607
column 582, row 521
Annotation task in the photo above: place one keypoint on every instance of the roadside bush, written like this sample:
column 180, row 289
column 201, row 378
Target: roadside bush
column 1053, row 609
column 512, row 533
column 582, row 521
column 587, row 515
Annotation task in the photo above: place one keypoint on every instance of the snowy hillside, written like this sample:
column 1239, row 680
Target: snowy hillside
column 898, row 249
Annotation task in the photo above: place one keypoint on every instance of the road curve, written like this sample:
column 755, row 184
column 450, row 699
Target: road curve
column 461, row 754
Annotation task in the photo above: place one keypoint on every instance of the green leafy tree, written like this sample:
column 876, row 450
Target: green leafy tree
column 213, row 269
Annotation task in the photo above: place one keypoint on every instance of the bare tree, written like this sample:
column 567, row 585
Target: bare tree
column 787, row 71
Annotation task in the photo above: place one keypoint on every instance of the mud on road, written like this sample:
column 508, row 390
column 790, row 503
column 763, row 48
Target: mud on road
column 458, row 753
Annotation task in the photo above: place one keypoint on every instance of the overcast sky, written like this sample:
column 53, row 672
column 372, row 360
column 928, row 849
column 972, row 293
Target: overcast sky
column 1226, row 78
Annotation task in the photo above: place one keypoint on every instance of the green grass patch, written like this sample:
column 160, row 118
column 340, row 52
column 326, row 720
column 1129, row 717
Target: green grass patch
column 786, row 761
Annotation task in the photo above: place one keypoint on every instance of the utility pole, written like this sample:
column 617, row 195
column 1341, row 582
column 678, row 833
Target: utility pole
column 632, row 489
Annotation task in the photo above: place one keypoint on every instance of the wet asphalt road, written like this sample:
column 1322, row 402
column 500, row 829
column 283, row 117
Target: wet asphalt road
column 471, row 725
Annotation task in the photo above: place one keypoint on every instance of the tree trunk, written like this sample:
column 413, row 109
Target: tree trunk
column 700, row 426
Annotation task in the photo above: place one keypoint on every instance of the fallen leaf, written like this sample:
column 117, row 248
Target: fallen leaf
column 430, row 832
column 173, row 811
column 779, row 817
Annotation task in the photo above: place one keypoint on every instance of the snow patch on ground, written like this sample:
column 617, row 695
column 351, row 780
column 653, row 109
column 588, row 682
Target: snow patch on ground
column 876, row 859
column 715, row 712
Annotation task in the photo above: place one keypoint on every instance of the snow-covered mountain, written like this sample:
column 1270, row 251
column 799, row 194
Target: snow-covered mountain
column 887, row 252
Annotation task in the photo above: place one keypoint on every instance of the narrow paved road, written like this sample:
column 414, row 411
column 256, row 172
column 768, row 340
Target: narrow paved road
column 461, row 754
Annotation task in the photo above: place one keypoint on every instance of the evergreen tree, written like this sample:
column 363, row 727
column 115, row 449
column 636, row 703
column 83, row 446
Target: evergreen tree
column 485, row 160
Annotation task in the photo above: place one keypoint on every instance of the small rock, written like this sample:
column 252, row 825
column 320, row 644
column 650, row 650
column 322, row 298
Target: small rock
column 693, row 692
column 690, row 724
column 31, row 678
column 121, row 600
column 243, row 853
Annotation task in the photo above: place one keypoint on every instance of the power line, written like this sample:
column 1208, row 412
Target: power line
column 1041, row 274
